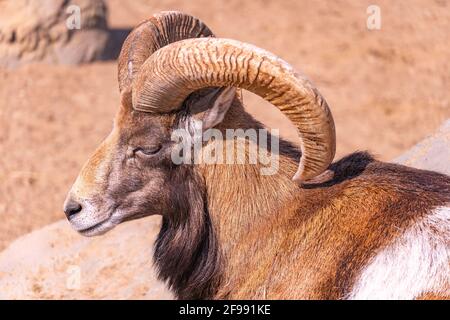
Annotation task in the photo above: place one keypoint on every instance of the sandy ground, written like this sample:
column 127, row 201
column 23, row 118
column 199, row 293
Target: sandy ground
column 387, row 88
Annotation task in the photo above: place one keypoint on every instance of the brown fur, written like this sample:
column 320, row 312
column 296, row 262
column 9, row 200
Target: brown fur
column 432, row 296
column 280, row 240
column 229, row 232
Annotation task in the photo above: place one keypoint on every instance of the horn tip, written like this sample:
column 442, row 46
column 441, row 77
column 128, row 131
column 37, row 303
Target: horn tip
column 301, row 178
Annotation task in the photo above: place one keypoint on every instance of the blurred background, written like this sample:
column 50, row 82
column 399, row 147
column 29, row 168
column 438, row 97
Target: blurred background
column 388, row 88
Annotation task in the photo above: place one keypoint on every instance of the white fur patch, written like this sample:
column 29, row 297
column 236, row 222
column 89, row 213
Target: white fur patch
column 416, row 263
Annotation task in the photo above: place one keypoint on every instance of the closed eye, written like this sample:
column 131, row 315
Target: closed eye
column 147, row 151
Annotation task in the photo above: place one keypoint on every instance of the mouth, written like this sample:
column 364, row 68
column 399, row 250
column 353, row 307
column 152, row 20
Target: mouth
column 107, row 224
column 98, row 229
column 114, row 218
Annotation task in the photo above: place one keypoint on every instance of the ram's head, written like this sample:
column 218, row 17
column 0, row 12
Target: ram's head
column 174, row 74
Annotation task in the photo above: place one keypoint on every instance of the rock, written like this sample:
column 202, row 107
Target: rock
column 433, row 153
column 37, row 31
column 56, row 262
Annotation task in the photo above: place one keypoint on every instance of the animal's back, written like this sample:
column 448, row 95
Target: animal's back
column 376, row 230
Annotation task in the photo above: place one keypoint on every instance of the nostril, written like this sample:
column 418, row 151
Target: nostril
column 72, row 208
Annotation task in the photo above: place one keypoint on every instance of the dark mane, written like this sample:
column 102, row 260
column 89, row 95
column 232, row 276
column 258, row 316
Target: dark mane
column 187, row 254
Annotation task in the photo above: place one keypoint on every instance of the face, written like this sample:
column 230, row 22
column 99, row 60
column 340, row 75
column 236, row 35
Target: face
column 126, row 176
column 131, row 174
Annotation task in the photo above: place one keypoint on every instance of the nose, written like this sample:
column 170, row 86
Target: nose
column 71, row 208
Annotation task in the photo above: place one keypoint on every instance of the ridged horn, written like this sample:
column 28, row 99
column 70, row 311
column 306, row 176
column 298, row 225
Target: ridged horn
column 175, row 71
column 158, row 31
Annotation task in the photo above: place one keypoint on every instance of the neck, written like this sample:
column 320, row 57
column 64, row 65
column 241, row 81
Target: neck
column 243, row 204
column 212, row 240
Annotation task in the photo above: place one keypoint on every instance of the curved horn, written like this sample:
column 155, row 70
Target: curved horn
column 175, row 71
column 158, row 31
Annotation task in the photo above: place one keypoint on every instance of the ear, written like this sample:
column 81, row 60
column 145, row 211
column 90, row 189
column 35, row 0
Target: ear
column 211, row 108
column 126, row 99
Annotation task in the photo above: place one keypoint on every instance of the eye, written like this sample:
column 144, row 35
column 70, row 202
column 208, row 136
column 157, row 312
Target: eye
column 147, row 151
